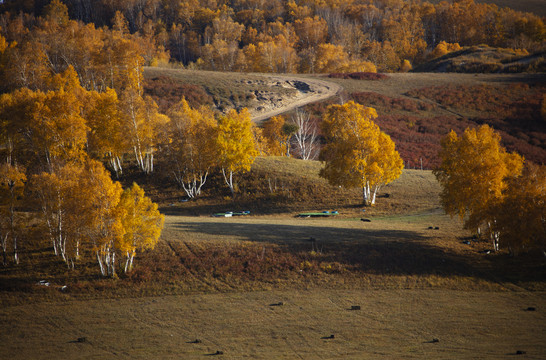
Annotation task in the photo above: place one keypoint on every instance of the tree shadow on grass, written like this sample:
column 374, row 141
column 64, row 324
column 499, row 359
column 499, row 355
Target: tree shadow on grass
column 395, row 252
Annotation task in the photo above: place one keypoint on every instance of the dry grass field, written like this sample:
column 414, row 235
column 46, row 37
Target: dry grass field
column 221, row 281
column 391, row 324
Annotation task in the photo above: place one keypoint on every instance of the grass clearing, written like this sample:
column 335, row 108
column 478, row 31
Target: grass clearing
column 391, row 324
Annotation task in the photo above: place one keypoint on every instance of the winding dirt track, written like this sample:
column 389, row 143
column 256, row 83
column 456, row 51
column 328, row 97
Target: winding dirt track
column 317, row 90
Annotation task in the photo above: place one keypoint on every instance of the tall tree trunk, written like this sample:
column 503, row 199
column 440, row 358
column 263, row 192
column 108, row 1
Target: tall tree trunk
column 4, row 249
column 229, row 181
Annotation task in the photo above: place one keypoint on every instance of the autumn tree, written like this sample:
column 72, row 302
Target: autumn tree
column 46, row 125
column 54, row 192
column 142, row 224
column 444, row 48
column 235, row 144
column 473, row 173
column 357, row 153
column 520, row 216
column 99, row 218
column 12, row 184
column 142, row 123
column 16, row 110
column 192, row 146
column 333, row 58
column 77, row 201
column 57, row 129
column 107, row 137
column 277, row 133
column 306, row 135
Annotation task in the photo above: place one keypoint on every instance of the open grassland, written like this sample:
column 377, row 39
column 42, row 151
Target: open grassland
column 393, row 324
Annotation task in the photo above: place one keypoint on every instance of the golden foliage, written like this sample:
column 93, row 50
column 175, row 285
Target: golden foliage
column 357, row 153
column 473, row 174
column 191, row 146
column 519, row 218
column 235, row 144
column 142, row 223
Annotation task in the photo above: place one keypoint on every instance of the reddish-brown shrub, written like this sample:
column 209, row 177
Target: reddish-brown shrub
column 359, row 76
column 167, row 92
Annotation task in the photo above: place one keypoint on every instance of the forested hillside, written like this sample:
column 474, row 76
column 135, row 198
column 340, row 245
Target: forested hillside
column 307, row 36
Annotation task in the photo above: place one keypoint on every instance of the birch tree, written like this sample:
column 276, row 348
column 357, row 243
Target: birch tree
column 277, row 133
column 192, row 146
column 142, row 223
column 521, row 216
column 235, row 144
column 78, row 203
column 56, row 129
column 306, row 136
column 473, row 175
column 100, row 223
column 12, row 184
column 106, row 138
column 357, row 153
column 54, row 192
column 143, row 123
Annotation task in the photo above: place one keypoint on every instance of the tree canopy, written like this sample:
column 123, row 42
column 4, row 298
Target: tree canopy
column 473, row 174
column 357, row 153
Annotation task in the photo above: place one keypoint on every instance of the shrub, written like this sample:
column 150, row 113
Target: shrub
column 359, row 76
column 167, row 92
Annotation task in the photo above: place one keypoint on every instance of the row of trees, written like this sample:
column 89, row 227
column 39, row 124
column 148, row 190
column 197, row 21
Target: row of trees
column 84, row 212
column 250, row 35
column 102, row 57
column 493, row 191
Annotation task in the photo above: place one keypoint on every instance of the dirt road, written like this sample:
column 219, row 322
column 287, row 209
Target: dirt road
column 309, row 91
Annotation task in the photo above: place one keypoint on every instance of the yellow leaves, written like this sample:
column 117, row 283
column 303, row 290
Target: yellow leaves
column 357, row 153
column 105, row 120
column 473, row 173
column 444, row 48
column 12, row 183
column 191, row 148
column 58, row 128
column 312, row 31
column 406, row 66
column 520, row 215
column 77, row 202
column 51, row 121
column 141, row 221
column 85, row 210
column 3, row 43
column 273, row 135
column 235, row 141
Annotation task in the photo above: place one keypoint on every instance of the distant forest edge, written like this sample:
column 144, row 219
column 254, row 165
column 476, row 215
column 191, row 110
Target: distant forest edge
column 306, row 36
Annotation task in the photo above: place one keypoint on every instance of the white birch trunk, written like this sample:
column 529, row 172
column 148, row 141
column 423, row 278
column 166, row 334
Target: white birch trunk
column 306, row 135
column 5, row 249
column 366, row 194
column 15, row 253
column 374, row 194
column 101, row 265
column 229, row 181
